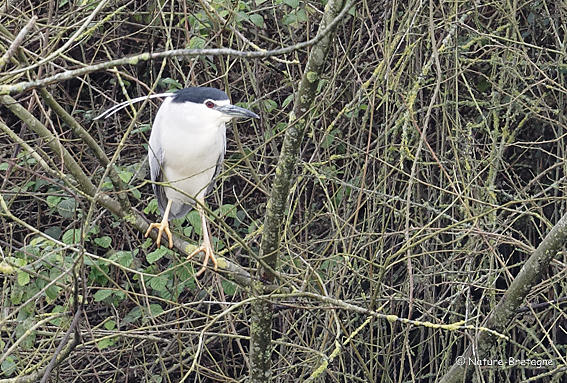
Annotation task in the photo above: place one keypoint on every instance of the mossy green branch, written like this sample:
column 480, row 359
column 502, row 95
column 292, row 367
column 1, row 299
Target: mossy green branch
column 261, row 323
column 304, row 100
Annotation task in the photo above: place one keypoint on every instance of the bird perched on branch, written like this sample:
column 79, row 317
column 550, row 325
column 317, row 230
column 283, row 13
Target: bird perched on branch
column 186, row 150
column 187, row 147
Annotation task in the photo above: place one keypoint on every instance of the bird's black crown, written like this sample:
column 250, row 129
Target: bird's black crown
column 199, row 95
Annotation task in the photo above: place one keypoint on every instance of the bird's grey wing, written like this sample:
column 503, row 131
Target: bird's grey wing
column 218, row 168
column 155, row 159
column 178, row 209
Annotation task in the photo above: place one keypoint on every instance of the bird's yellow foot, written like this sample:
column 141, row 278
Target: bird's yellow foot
column 161, row 226
column 208, row 250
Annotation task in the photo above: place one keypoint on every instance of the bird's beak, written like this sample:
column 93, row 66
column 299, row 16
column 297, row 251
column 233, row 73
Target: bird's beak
column 236, row 111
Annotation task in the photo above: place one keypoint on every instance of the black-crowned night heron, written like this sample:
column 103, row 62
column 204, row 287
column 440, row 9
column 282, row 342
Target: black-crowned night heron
column 187, row 147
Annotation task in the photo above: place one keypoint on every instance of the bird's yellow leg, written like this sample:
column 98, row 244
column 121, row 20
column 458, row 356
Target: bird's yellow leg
column 162, row 226
column 206, row 246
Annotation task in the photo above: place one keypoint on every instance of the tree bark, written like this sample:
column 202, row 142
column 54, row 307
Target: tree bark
column 261, row 320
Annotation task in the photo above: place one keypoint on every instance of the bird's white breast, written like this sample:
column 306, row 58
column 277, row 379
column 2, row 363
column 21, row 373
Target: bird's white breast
column 192, row 142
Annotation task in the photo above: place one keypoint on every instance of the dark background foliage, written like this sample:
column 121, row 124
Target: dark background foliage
column 432, row 167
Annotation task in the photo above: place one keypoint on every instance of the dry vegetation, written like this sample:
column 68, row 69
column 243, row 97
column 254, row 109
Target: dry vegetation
column 432, row 167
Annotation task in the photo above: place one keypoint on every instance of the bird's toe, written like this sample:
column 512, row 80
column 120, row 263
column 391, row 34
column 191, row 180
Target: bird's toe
column 161, row 228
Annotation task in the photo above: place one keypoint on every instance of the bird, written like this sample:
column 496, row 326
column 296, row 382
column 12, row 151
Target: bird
column 186, row 150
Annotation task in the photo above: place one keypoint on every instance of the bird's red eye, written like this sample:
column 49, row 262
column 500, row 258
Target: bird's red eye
column 209, row 104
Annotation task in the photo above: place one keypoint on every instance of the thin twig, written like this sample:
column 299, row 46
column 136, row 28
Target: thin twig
column 17, row 42
column 133, row 60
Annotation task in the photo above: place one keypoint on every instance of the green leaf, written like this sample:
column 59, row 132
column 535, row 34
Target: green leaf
column 352, row 11
column 242, row 16
column 67, row 207
column 257, row 19
column 101, row 295
column 23, row 332
column 16, row 295
column 125, row 176
column 133, row 315
column 103, row 242
column 54, row 232
column 292, row 3
column 107, row 185
column 269, row 105
column 40, row 282
column 53, row 200
column 71, row 236
column 187, row 231
column 196, row 43
column 171, row 83
column 9, row 365
column 287, row 100
column 52, row 293
column 23, row 278
column 99, row 276
column 302, row 15
column 136, row 193
column 40, row 183
column 156, row 255
column 94, row 230
column 195, row 221
column 289, row 19
column 29, row 291
column 228, row 287
column 54, row 273
column 125, row 258
column 483, row 85
column 158, row 283
column 105, row 343
column 19, row 261
column 119, row 295
column 329, row 138
column 110, row 325
column 186, row 273
column 147, row 243
column 56, row 310
column 152, row 206
column 531, row 18
column 155, row 309
column 268, row 134
column 143, row 128
column 228, row 210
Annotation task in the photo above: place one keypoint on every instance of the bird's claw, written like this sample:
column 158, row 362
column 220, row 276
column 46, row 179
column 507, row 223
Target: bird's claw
column 208, row 250
column 161, row 226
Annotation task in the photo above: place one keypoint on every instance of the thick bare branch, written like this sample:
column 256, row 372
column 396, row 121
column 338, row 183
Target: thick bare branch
column 261, row 326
